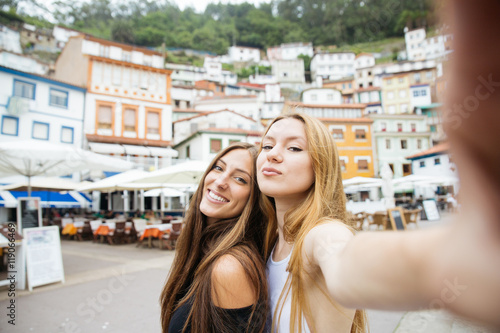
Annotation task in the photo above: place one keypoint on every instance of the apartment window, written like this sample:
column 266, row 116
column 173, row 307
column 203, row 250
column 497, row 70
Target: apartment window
column 67, row 134
column 423, row 92
column 416, row 93
column 338, row 134
column 383, row 127
column 329, row 97
column 105, row 117
column 350, row 85
column 360, row 134
column 401, row 80
column 413, row 127
column 437, row 161
column 391, row 109
column 389, row 82
column 129, row 120
column 387, row 144
column 10, row 125
column 433, row 128
column 404, row 144
column 428, row 75
column 215, row 145
column 24, row 89
column 126, row 56
column 390, row 95
column 40, row 131
column 416, row 77
column 362, row 165
column 104, row 51
column 422, row 164
column 343, row 85
column 406, row 169
column 342, row 165
column 400, row 127
column 419, row 144
column 153, row 123
column 404, row 108
column 402, row 93
column 58, row 98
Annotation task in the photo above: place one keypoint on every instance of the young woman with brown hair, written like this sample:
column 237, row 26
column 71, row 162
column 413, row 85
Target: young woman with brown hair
column 217, row 281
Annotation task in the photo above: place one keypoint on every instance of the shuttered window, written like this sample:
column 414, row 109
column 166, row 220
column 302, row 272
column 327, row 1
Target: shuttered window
column 338, row 134
column 360, row 134
column 362, row 165
column 215, row 145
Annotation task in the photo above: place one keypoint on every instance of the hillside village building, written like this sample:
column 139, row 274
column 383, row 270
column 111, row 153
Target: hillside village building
column 289, row 51
column 332, row 66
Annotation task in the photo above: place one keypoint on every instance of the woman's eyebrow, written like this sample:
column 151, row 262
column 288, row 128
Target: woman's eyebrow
column 243, row 171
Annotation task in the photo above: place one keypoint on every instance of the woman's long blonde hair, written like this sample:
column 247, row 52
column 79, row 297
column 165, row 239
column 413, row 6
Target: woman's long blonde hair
column 325, row 202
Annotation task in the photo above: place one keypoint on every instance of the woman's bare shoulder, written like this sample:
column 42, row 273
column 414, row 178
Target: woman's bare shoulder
column 231, row 287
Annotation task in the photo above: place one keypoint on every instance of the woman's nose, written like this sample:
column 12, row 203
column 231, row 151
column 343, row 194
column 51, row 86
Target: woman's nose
column 274, row 155
column 221, row 181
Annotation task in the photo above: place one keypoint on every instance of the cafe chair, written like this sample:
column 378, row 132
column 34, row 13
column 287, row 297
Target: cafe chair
column 94, row 225
column 169, row 239
column 116, row 235
column 412, row 216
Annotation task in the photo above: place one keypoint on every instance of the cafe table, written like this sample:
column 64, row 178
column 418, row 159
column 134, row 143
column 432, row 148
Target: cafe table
column 154, row 231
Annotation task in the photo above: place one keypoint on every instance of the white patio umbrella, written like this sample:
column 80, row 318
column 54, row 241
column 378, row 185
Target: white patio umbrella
column 33, row 158
column 166, row 192
column 119, row 182
column 368, row 181
column 183, row 173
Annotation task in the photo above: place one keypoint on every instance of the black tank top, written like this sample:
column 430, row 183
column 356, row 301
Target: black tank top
column 236, row 320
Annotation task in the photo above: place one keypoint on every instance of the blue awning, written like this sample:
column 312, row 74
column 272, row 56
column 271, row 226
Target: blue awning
column 49, row 199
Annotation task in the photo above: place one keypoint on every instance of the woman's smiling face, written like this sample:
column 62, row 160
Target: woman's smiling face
column 284, row 166
column 227, row 186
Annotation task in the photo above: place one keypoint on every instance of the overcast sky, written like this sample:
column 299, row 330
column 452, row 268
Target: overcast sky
column 199, row 5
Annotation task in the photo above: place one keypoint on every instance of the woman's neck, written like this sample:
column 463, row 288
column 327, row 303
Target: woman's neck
column 283, row 247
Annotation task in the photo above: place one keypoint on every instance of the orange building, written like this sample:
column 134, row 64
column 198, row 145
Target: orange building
column 128, row 108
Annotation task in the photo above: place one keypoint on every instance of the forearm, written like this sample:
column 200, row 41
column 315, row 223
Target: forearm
column 389, row 271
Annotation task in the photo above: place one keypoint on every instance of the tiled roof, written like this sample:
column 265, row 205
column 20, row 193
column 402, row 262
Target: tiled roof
column 437, row 149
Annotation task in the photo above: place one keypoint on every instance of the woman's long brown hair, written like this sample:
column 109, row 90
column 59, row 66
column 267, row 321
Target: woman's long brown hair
column 198, row 248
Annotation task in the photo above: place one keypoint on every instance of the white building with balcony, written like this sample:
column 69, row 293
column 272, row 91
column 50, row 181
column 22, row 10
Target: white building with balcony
column 10, row 40
column 221, row 119
column 414, row 40
column 397, row 136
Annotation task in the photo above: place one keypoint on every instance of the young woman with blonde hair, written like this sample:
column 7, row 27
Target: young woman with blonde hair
column 217, row 280
column 317, row 269
column 299, row 173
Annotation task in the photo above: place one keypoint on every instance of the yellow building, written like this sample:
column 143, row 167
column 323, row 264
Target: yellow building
column 396, row 93
column 354, row 142
column 350, row 130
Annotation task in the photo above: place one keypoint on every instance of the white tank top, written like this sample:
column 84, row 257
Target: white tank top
column 276, row 279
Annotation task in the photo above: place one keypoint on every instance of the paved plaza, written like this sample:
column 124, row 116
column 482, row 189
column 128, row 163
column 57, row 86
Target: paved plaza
column 116, row 289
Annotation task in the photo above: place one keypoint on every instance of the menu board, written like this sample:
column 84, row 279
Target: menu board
column 431, row 210
column 43, row 256
column 29, row 213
